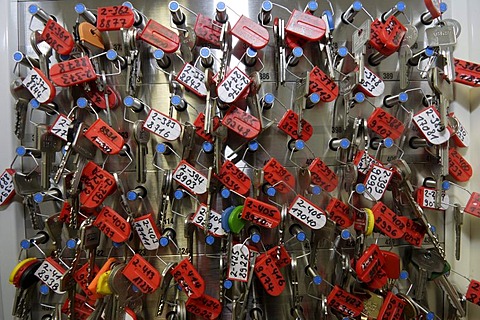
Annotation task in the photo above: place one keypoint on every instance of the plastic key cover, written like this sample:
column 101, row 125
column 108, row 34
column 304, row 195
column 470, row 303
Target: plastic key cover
column 392, row 33
column 392, row 308
column 307, row 212
column 376, row 182
column 323, row 85
column 214, row 224
column 242, row 123
column 113, row 225
column 369, row 264
column 147, row 231
column 72, row 72
column 82, row 277
column 467, row 73
column 98, row 97
column 162, row 125
column 376, row 28
column 392, row 264
column 18, row 270
column 160, row 37
column 322, row 175
column 89, row 34
column 251, row 33
column 114, row 18
column 233, row 86
column 103, row 288
column 239, row 263
column 39, row 85
column 188, row 277
column 186, row 175
column 105, row 137
column 379, row 280
column 387, row 221
column 372, row 85
column 289, row 125
column 7, row 188
column 414, row 232
column 458, row 167
column 199, row 124
column 428, row 122
column 461, row 135
column 426, row 198
column 473, row 292
column 306, row 26
column 106, row 267
column 193, row 79
column 473, row 205
column 206, row 306
column 338, row 212
column 260, row 213
column 385, row 125
column 208, row 31
column 278, row 175
column 344, row 302
column 50, row 272
column 58, row 37
column 269, row 275
column 233, row 178
column 97, row 185
column 142, row 274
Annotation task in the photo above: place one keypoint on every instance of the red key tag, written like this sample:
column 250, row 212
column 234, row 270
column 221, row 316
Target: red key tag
column 147, row 231
column 98, row 97
column 73, row 72
column 193, row 79
column 60, row 126
column 208, row 31
column 323, row 85
column 206, row 306
column 280, row 255
column 58, row 37
column 113, row 225
column 160, row 37
column 81, row 310
column 458, row 167
column 105, row 137
column 460, row 135
column 239, row 263
column 50, row 273
column 364, row 161
column 467, row 73
column 269, row 275
column 162, row 125
column 392, row 33
column 7, row 188
column 278, row 175
column 379, row 280
column 97, row 185
column 306, row 26
column 82, row 277
column 392, row 308
column 215, row 223
column 186, row 175
column 114, row 18
column 344, row 302
column 242, row 123
column 251, row 33
column 376, row 182
column 369, row 263
column 426, row 198
column 338, row 213
column 385, row 125
column 473, row 205
column 392, row 264
column 233, row 86
column 289, row 125
column 308, row 213
column 376, row 29
column 260, row 213
column 433, row 7
column 189, row 279
column 414, row 232
column 428, row 122
column 199, row 124
column 233, row 178
column 387, row 221
column 371, row 85
column 130, row 314
column 322, row 175
column 39, row 85
column 473, row 292
column 142, row 274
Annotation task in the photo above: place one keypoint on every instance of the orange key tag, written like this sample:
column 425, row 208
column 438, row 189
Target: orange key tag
column 208, row 31
column 114, row 18
column 233, row 178
column 90, row 35
column 113, row 225
column 277, row 175
column 105, row 137
column 72, row 72
column 434, row 7
column 215, row 223
column 385, row 125
column 81, row 277
column 251, row 33
column 106, row 266
column 39, row 85
column 206, row 306
column 306, row 26
column 338, row 213
column 186, row 175
column 242, row 123
column 142, row 274
column 189, row 279
column 260, row 213
column 269, row 275
column 308, row 213
column 234, row 86
column 193, row 79
column 344, row 302
column 289, row 125
column 160, row 37
column 426, row 198
column 428, row 121
column 387, row 221
column 323, row 85
column 322, row 175
column 7, row 188
column 147, row 231
column 239, row 263
column 368, row 265
column 458, row 167
column 97, row 185
column 50, row 272
column 58, row 37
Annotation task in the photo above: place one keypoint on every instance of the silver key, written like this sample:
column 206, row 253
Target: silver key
column 164, row 285
column 141, row 137
column 444, row 37
column 21, row 107
column 359, row 40
column 48, row 144
column 426, row 261
column 405, row 54
column 33, row 210
column 458, row 218
column 119, row 285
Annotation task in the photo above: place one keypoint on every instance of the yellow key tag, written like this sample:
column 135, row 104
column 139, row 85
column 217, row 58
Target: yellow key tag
column 102, row 285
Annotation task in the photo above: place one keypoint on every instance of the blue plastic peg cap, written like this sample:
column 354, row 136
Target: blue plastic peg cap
column 317, row 280
column 360, row 188
column 345, row 234
column 256, row 238
column 271, row 191
column 82, row 102
column 178, row 194
column 207, row 146
column 301, row 236
column 357, row 6
column 297, row 52
column 158, row 54
column 403, row 97
column 267, row 5
column 71, row 243
column 112, row 54
column 253, row 145
column 269, row 98
column 342, row 51
column 225, row 193
column 21, row 151
column 44, row 290
column 359, row 97
column 205, row 52
column 345, row 143
column 404, row 275
column 209, row 240
column 164, row 241
column 132, row 195
column 227, row 284
column 316, row 190
column 25, row 244
column 388, row 142
column 38, row 197
column 33, row 9
column 17, row 56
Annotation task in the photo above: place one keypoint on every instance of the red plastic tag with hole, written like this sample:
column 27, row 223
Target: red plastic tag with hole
column 376, row 182
column 58, row 37
column 208, row 31
column 323, row 85
column 467, row 73
column 82, row 277
column 473, row 292
column 50, row 272
column 82, row 311
column 344, row 302
column 379, row 280
column 473, row 205
column 306, row 26
column 189, row 279
column 142, row 274
column 73, row 72
column 242, row 123
column 364, row 162
column 239, row 263
column 234, row 85
column 392, row 264
column 162, row 125
column 307, row 213
column 458, row 167
column 192, row 180
column 7, row 188
column 293, row 41
column 60, row 126
column 371, row 85
column 199, row 123
column 376, row 28
column 426, row 198
column 130, row 314
column 233, row 178
column 97, row 185
column 114, row 18
column 160, row 37
column 104, row 137
column 147, row 231
column 461, row 135
column 260, row 213
column 251, row 33
column 338, row 213
column 289, row 125
column 392, row 33
column 39, row 85
column 385, row 125
column 414, row 232
column 280, row 255
column 113, row 225
column 193, row 79
column 206, row 306
column 98, row 98
column 322, row 175
column 428, row 122
column 369, row 263
column 387, row 221
column 392, row 308
column 215, row 223
column 269, row 275
column 433, row 7
column 277, row 175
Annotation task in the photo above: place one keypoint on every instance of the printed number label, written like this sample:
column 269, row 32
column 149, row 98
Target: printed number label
column 385, row 125
column 160, row 37
column 376, row 182
column 233, row 178
column 39, row 86
column 206, row 306
column 214, row 224
column 239, row 263
column 371, row 85
column 277, row 175
column 72, row 72
column 242, row 123
column 114, row 18
column 142, row 274
column 60, row 127
column 7, row 188
column 233, row 86
column 147, row 231
column 113, row 225
column 289, row 125
column 162, row 126
column 428, row 122
column 308, row 213
column 426, row 198
column 50, row 273
column 188, row 277
column 260, row 213
column 190, row 178
column 364, row 162
column 193, row 79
